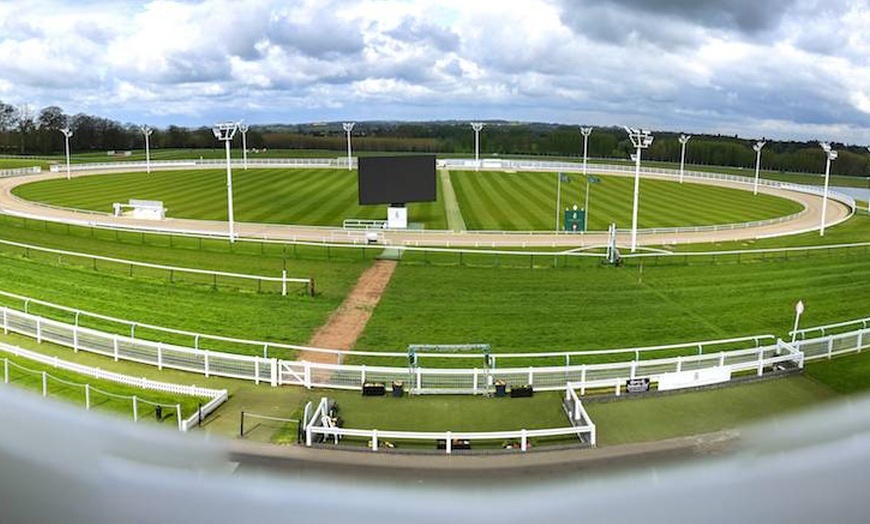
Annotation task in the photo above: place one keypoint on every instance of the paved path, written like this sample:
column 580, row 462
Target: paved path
column 455, row 222
column 808, row 220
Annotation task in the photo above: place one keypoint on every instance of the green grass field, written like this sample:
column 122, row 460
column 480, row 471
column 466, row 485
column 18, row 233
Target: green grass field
column 603, row 307
column 320, row 197
column 526, row 201
column 503, row 201
column 629, row 421
column 150, row 297
column 514, row 309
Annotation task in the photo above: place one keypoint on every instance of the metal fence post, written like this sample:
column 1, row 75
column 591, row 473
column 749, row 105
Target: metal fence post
column 284, row 283
column 44, row 384
column 449, row 443
column 205, row 363
column 87, row 397
column 524, row 440
column 38, row 331
column 180, row 421
column 115, row 346
column 159, row 357
column 5, row 370
column 135, row 410
column 374, row 440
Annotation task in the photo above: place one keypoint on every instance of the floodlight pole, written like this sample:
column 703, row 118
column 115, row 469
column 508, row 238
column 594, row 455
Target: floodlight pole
column 757, row 147
column 868, row 188
column 641, row 140
column 225, row 132
column 477, row 126
column 558, row 198
column 684, row 139
column 147, row 132
column 586, row 208
column 66, row 134
column 830, row 155
column 585, row 131
column 348, row 127
column 243, row 128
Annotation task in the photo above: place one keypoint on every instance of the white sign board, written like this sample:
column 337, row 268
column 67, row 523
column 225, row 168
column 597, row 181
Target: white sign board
column 397, row 218
column 694, row 378
column 142, row 209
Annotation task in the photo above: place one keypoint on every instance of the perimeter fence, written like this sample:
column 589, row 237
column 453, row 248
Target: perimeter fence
column 94, row 397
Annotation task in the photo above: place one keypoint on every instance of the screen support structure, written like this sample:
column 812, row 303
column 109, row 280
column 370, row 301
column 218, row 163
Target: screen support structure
column 397, row 216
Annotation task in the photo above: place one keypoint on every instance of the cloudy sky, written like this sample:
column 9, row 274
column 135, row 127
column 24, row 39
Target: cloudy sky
column 778, row 68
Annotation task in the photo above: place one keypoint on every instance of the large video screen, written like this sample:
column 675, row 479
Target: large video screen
column 396, row 179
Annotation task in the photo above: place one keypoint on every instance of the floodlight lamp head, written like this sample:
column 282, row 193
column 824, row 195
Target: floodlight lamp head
column 758, row 145
column 225, row 131
column 348, row 126
column 685, row 138
column 244, row 128
column 826, row 146
column 477, row 126
column 833, row 155
column 585, row 131
column 146, row 130
column 66, row 132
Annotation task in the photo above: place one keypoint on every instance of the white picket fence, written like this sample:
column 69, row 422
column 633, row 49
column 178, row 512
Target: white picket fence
column 216, row 397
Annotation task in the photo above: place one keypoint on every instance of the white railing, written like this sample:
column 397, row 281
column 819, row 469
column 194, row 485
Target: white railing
column 283, row 279
column 358, row 223
column 21, row 171
column 118, row 347
column 637, row 352
column 518, row 165
column 859, row 323
column 353, row 377
column 127, row 165
column 216, row 396
column 828, row 346
column 316, row 426
column 197, row 338
column 588, row 377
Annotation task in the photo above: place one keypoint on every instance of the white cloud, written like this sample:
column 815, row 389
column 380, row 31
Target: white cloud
column 796, row 68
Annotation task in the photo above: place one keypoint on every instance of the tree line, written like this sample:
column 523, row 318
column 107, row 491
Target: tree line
column 24, row 130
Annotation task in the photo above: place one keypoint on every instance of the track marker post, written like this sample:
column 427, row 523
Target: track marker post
column 798, row 311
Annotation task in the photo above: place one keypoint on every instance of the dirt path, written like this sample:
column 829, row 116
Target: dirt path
column 347, row 323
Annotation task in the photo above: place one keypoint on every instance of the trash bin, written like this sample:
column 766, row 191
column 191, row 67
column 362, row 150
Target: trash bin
column 500, row 388
column 398, row 388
